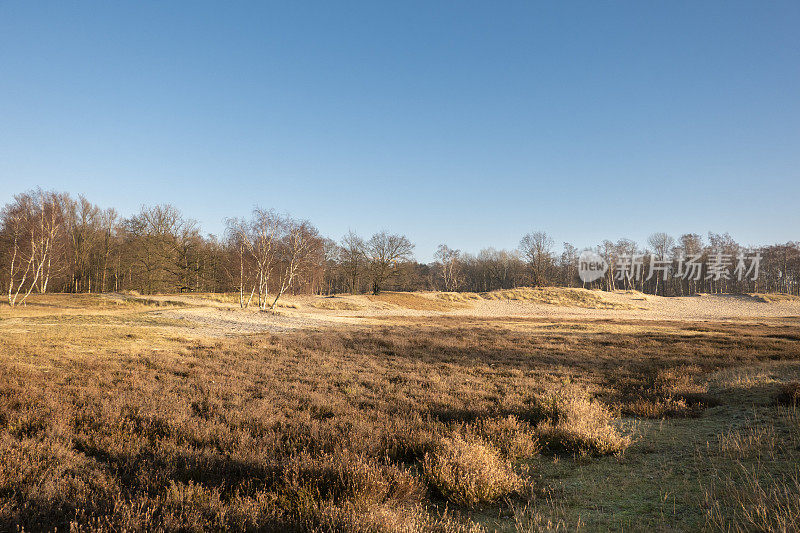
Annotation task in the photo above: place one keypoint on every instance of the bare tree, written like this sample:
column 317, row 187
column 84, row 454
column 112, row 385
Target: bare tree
column 625, row 248
column 154, row 239
column 258, row 238
column 690, row 247
column 31, row 221
column 354, row 259
column 271, row 242
column 721, row 245
column 499, row 269
column 300, row 247
column 569, row 264
column 660, row 244
column 49, row 226
column 448, row 260
column 537, row 249
column 16, row 221
column 239, row 240
column 108, row 223
column 384, row 251
column 82, row 218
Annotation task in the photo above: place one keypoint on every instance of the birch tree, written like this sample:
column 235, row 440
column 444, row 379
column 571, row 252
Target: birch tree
column 299, row 248
column 449, row 261
column 31, row 222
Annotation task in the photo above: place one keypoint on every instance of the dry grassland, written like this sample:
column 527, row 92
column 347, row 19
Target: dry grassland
column 548, row 295
column 117, row 416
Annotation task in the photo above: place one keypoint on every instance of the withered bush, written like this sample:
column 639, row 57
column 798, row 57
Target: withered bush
column 469, row 472
column 577, row 424
column 510, row 436
column 788, row 394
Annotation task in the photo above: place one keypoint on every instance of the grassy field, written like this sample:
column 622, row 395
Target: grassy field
column 115, row 416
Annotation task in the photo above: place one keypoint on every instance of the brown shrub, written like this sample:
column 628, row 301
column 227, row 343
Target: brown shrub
column 511, row 437
column 788, row 394
column 469, row 472
column 577, row 424
column 665, row 393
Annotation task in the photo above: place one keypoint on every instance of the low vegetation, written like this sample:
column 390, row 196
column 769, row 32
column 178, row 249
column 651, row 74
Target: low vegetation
column 410, row 300
column 469, row 472
column 547, row 295
column 758, row 486
column 775, row 297
column 420, row 424
column 336, row 304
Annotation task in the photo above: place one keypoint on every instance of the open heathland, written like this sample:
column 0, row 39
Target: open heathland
column 531, row 410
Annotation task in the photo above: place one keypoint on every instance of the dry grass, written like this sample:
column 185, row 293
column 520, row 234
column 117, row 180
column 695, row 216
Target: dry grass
column 74, row 304
column 672, row 392
column 132, row 429
column 576, row 424
column 759, row 490
column 549, row 295
column 336, row 304
column 636, row 295
column 233, row 298
column 469, row 472
column 410, row 300
column 745, row 501
column 789, row 394
column 775, row 297
column 513, row 438
column 553, row 519
column 423, row 425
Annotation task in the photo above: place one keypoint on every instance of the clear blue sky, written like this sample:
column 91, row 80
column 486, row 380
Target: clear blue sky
column 459, row 122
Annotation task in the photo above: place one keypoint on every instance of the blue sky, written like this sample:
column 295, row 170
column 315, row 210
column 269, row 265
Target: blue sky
column 460, row 122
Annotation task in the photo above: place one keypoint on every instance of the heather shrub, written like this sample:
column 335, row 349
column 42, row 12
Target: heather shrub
column 513, row 438
column 789, row 394
column 469, row 472
column 577, row 424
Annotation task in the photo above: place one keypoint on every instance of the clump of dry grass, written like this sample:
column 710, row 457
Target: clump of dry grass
column 655, row 406
column 336, row 304
column 220, row 297
column 530, row 518
column 458, row 296
column 758, row 487
column 774, row 297
column 788, row 394
column 750, row 500
column 666, row 393
column 410, row 300
column 636, row 295
column 576, row 424
column 560, row 296
column 469, row 472
column 233, row 298
column 152, row 302
column 513, row 438
column 752, row 439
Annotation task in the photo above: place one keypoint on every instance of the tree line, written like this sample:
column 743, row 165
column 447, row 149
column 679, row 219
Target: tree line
column 54, row 242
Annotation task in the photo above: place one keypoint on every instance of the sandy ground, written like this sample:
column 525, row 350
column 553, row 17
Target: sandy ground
column 215, row 318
